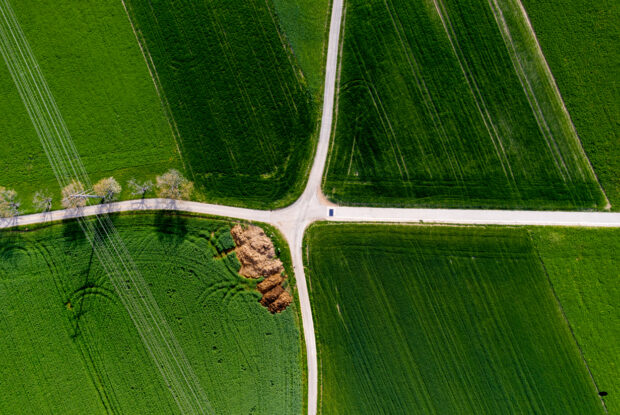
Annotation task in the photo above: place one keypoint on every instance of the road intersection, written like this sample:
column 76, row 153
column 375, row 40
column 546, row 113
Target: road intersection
column 312, row 206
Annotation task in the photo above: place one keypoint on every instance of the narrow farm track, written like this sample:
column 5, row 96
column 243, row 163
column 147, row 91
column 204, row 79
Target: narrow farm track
column 319, row 211
column 310, row 207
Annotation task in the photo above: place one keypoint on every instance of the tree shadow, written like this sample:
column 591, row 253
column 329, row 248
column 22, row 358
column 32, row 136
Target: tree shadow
column 8, row 222
column 72, row 231
column 93, row 287
column 171, row 226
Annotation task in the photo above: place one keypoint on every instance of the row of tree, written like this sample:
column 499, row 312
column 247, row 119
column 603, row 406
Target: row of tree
column 170, row 185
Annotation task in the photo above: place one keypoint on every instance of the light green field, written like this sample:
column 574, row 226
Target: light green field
column 580, row 41
column 440, row 320
column 97, row 74
column 69, row 346
column 306, row 25
column 446, row 103
column 584, row 268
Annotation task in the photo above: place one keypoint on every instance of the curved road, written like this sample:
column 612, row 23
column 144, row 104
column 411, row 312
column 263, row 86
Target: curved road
column 312, row 206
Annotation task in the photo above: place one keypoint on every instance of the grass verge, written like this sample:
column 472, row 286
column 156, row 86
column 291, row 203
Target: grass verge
column 306, row 25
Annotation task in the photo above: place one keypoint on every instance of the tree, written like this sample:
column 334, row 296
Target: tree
column 108, row 189
column 42, row 201
column 174, row 186
column 9, row 205
column 140, row 189
column 73, row 195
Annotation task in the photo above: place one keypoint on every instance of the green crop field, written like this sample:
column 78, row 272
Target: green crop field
column 306, row 24
column 245, row 116
column 442, row 319
column 446, row 103
column 584, row 267
column 69, row 346
column 97, row 74
column 580, row 41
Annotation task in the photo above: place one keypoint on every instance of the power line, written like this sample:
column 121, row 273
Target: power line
column 133, row 291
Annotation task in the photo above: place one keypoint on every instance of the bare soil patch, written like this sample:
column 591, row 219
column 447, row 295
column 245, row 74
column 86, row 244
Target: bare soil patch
column 257, row 256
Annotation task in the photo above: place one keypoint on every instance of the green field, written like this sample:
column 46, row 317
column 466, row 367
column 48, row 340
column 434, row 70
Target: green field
column 580, row 41
column 445, row 103
column 97, row 74
column 446, row 320
column 584, row 268
column 306, row 24
column 245, row 116
column 69, row 346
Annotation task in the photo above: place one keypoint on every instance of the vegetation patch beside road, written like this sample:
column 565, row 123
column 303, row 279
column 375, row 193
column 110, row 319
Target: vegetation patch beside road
column 306, row 25
column 580, row 41
column 445, row 103
column 439, row 319
column 98, row 77
column 70, row 346
column 246, row 118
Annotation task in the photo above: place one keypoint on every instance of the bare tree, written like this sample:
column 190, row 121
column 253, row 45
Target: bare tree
column 42, row 201
column 73, row 195
column 140, row 189
column 9, row 205
column 173, row 185
column 108, row 189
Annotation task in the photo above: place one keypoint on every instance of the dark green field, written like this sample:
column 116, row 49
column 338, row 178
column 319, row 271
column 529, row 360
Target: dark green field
column 245, row 116
column 580, row 40
column 446, row 320
column 68, row 345
column 584, row 267
column 97, row 75
column 445, row 103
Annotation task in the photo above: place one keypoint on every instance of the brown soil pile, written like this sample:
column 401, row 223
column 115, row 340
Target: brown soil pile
column 271, row 295
column 258, row 259
column 255, row 252
column 270, row 282
column 280, row 303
